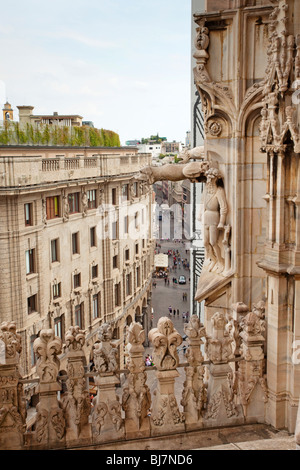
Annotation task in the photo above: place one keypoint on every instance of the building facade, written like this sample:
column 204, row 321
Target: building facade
column 247, row 76
column 76, row 245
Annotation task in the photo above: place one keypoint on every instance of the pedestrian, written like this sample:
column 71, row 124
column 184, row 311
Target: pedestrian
column 174, row 312
column 170, row 309
column 183, row 296
column 165, row 280
column 178, row 312
column 168, row 281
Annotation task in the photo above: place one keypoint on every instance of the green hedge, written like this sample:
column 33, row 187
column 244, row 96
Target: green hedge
column 14, row 134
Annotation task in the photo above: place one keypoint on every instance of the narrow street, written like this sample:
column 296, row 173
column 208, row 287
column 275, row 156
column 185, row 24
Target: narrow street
column 170, row 294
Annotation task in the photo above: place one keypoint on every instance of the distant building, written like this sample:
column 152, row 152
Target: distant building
column 171, row 147
column 132, row 143
column 27, row 117
column 155, row 149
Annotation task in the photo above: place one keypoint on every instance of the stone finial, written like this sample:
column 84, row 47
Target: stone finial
column 10, row 342
column 166, row 340
column 47, row 347
column 195, row 331
column 75, row 338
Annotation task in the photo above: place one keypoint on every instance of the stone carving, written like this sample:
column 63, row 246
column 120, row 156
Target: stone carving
column 11, row 342
column 84, row 202
column 66, row 208
column 214, row 201
column 105, row 352
column 165, row 414
column 194, row 394
column 12, row 402
column 76, row 402
column 136, row 399
column 188, row 154
column 250, row 377
column 219, row 347
column 166, row 340
column 50, row 421
column 220, row 393
column 107, row 422
column 214, row 217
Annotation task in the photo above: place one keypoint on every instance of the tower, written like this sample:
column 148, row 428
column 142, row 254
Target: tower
column 8, row 113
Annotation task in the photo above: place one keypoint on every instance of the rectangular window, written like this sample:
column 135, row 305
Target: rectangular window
column 128, row 284
column 135, row 189
column 54, row 251
column 114, row 230
column 137, row 249
column 56, row 290
column 31, row 304
column 127, row 255
column 126, row 224
column 73, row 200
column 114, row 196
column 96, row 305
column 115, row 262
column 75, row 243
column 138, row 276
column 117, row 294
column 32, row 353
column 93, row 237
column 91, row 196
column 28, row 214
column 77, row 280
column 52, row 207
column 94, row 271
column 29, row 257
column 125, row 192
column 79, row 316
column 59, row 327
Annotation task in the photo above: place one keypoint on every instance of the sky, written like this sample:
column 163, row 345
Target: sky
column 123, row 64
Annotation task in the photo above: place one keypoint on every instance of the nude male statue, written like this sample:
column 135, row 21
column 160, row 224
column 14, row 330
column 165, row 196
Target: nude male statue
column 214, row 201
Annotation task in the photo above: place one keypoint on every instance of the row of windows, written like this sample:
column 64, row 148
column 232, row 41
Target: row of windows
column 53, row 203
column 57, row 288
column 55, row 251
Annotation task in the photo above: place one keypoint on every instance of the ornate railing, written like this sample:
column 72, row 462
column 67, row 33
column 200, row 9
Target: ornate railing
column 224, row 383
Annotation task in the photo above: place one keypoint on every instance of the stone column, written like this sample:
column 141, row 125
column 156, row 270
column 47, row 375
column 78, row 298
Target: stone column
column 165, row 415
column 194, row 392
column 251, row 383
column 50, row 422
column 136, row 400
column 107, row 422
column 12, row 404
column 221, row 409
column 76, row 401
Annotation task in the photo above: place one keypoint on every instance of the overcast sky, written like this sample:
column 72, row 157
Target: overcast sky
column 123, row 64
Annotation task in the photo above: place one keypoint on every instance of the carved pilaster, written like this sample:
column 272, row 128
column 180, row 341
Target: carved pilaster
column 76, row 401
column 165, row 414
column 107, row 421
column 251, row 385
column 136, row 400
column 12, row 403
column 50, row 422
column 221, row 408
column 194, row 391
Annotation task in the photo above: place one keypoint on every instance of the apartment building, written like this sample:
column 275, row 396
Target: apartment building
column 76, row 245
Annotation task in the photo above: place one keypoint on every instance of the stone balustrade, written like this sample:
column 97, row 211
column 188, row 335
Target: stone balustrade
column 27, row 166
column 221, row 387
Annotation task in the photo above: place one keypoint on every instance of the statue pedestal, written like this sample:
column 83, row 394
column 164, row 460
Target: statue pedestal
column 165, row 415
column 221, row 409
